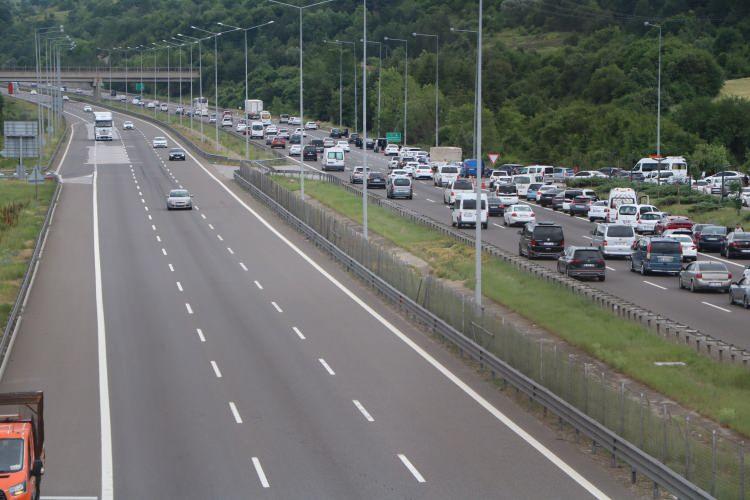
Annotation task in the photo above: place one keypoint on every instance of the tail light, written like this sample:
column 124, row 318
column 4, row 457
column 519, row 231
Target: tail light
column 648, row 252
column 514, row 214
column 604, row 243
column 730, row 276
column 533, row 214
column 533, row 243
column 699, row 276
column 733, row 244
column 576, row 262
column 562, row 243
column 601, row 262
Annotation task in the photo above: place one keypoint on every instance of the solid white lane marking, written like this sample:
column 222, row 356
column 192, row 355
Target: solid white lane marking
column 276, row 306
column 230, row 250
column 171, row 267
column 216, row 369
column 257, row 283
column 200, row 334
column 720, row 259
column 325, row 365
column 204, row 216
column 458, row 382
column 654, row 284
column 220, row 238
column 243, row 266
column 189, row 309
column 412, row 469
column 261, row 474
column 716, row 307
column 298, row 332
column 211, row 226
column 158, row 238
column 498, row 225
column 105, row 421
column 431, row 201
column 179, row 286
column 164, row 251
column 235, row 413
column 611, row 268
column 362, row 410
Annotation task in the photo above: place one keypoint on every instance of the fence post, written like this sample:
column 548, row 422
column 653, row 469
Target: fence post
column 687, row 447
column 713, row 462
column 742, row 470
column 622, row 408
column 664, row 432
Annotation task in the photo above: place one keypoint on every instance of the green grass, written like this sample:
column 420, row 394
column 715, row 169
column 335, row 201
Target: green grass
column 20, row 110
column 17, row 241
column 718, row 391
column 542, row 42
column 736, row 88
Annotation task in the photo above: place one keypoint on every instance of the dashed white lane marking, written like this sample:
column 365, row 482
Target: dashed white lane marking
column 363, row 411
column 276, row 306
column 412, row 469
column 196, row 207
column 611, row 268
column 716, row 307
column 298, row 332
column 220, row 238
column 654, row 284
column 230, row 250
column 200, row 334
column 261, row 474
column 431, row 201
column 164, row 251
column 171, row 267
column 216, row 369
column 189, row 309
column 325, row 365
column 153, row 227
column 257, row 283
column 179, row 286
column 235, row 413
column 149, row 217
column 243, row 266
column 211, row 226
column 498, row 225
column 204, row 216
column 143, row 201
column 146, row 208
column 158, row 238
column 587, row 237
column 140, row 194
column 180, row 185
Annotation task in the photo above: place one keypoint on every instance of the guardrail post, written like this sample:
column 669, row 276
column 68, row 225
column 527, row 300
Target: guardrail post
column 742, row 469
column 687, row 447
column 665, row 417
column 713, row 462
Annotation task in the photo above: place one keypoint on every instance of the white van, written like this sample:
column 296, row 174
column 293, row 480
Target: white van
column 537, row 172
column 626, row 214
column 333, row 159
column 676, row 164
column 464, row 210
column 444, row 175
column 522, row 183
column 256, row 130
column 617, row 197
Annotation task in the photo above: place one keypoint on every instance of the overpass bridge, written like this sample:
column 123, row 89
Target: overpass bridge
column 99, row 76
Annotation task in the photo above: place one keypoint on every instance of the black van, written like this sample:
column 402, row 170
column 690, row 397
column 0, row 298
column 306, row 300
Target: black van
column 318, row 143
column 541, row 239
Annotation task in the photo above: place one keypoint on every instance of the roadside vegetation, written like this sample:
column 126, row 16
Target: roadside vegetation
column 13, row 109
column 718, row 391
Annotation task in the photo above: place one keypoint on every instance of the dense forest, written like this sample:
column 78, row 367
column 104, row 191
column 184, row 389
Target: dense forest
column 566, row 82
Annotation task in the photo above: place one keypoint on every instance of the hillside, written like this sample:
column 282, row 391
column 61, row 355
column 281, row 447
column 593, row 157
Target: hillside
column 566, row 82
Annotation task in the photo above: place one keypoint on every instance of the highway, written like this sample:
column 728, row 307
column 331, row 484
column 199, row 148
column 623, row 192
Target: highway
column 214, row 353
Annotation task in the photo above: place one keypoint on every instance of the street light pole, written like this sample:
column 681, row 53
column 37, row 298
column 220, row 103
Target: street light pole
column 380, row 75
column 354, row 51
column 200, row 78
column 474, row 125
column 478, row 154
column 437, row 82
column 215, row 36
column 658, row 103
column 406, row 79
column 364, row 113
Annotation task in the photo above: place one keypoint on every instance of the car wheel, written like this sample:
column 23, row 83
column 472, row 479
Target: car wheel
column 453, row 224
column 746, row 302
column 505, row 221
column 679, row 283
column 567, row 272
column 520, row 251
column 692, row 286
column 484, row 225
column 602, row 277
column 643, row 270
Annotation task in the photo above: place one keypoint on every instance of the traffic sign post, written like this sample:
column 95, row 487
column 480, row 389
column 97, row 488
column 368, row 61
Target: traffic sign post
column 35, row 178
column 393, row 137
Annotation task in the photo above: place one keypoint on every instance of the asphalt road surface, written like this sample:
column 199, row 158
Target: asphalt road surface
column 221, row 356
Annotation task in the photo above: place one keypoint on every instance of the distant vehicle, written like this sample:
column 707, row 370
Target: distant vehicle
column 625, row 214
column 241, row 127
column 739, row 292
column 78, row 91
column 676, row 164
column 343, row 145
column 32, row 92
column 673, row 222
column 271, row 129
column 87, row 109
column 399, row 187
column 256, row 130
column 706, row 275
column 598, row 211
column 422, row 171
column 375, row 180
column 295, row 139
column 265, row 118
column 295, row 120
column 333, row 159
column 335, row 133
column 582, row 262
column 446, row 154
column 580, row 206
column 737, row 244
column 390, row 150
column 200, row 106
column 283, row 118
column 151, row 105
column 444, row 175
column 531, row 192
column 689, row 250
column 457, row 186
column 647, row 222
column 522, row 183
column 469, row 168
column 163, row 107
column 253, row 107
column 226, row 121
column 295, row 150
column 541, row 239
column 278, row 142
column 176, row 154
column 518, row 214
column 179, row 199
column 547, row 197
column 357, row 175
column 66, row 98
column 613, row 239
column 311, row 126
column 464, row 210
column 179, row 110
column 709, row 238
column 103, row 126
column 22, row 445
column 655, row 254
column 508, row 195
column 318, row 143
column 328, row 143
column 159, row 142
column 545, row 188
column 270, row 138
column 310, row 153
column 589, row 174
column 620, row 196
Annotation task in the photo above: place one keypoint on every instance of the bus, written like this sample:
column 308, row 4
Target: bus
column 200, row 106
column 102, row 125
column 265, row 117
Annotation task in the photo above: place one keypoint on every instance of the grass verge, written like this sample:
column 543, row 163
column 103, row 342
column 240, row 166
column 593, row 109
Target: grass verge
column 739, row 87
column 718, row 391
column 19, row 110
column 21, row 218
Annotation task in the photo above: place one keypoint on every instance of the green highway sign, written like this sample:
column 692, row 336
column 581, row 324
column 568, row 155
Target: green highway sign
column 139, row 87
column 393, row 137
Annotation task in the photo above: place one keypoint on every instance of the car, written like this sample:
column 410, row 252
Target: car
column 127, row 125
column 32, row 92
column 582, row 262
column 159, row 142
column 176, row 154
column 163, row 107
column 613, row 172
column 271, row 129
column 737, row 244
column 689, row 250
column 397, row 173
column 541, row 239
column 508, row 195
column 390, row 150
column 212, row 118
column 278, row 142
column 393, row 163
column 296, row 150
column 179, row 199
column 310, row 153
column 283, row 132
column 369, row 143
column 613, row 239
column 335, row 133
column 410, row 167
column 270, row 138
column 318, row 143
column 78, row 91
column 546, row 197
column 241, row 127
column 544, row 188
column 357, row 175
column 568, row 196
column 65, row 98
column 518, row 214
column 598, row 211
column 647, row 222
column 444, row 175
column 655, row 254
column 300, row 132
column 709, row 238
column 295, row 139
column 589, row 174
column 328, row 142
column 283, row 118
column 151, row 105
column 494, row 205
column 343, row 145
column 739, row 292
column 580, row 206
column 422, row 171
column 311, row 126
column 399, row 186
column 294, row 120
column 532, row 191
column 375, row 180
column 87, row 109
column 558, row 200
column 706, row 275
column 673, row 222
column 459, row 185
column 464, row 210
column 179, row 110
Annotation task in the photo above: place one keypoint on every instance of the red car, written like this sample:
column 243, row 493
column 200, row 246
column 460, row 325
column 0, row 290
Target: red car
column 278, row 142
column 673, row 222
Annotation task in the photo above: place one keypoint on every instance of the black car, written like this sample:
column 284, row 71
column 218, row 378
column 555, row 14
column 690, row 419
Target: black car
column 541, row 239
column 380, row 144
column 369, row 143
column 357, row 142
column 353, row 137
column 737, row 244
column 375, row 180
column 546, row 198
column 494, row 206
column 569, row 196
column 295, row 139
column 335, row 133
column 344, row 132
column 318, row 143
column 176, row 154
column 309, row 153
column 710, row 238
column 582, row 262
column 558, row 200
column 580, row 206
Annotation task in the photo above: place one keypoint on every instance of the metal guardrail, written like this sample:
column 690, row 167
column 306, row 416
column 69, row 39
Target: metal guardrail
column 639, row 462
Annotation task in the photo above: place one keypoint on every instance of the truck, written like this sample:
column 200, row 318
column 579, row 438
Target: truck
column 21, row 445
column 102, row 125
column 445, row 154
column 469, row 168
column 253, row 107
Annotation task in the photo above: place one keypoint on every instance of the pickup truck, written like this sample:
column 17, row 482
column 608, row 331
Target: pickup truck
column 21, row 445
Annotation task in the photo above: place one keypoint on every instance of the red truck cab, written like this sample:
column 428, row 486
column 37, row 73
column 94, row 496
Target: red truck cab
column 21, row 447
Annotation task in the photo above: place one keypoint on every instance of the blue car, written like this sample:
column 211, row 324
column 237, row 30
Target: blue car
column 531, row 193
column 656, row 255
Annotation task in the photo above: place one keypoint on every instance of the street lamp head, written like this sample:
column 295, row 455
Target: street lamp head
column 386, row 38
column 220, row 23
column 413, row 34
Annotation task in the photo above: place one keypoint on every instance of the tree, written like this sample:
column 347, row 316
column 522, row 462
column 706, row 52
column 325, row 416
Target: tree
column 708, row 158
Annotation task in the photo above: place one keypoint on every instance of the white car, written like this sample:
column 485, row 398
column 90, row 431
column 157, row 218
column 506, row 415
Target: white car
column 328, row 142
column 411, row 167
column 212, row 118
column 518, row 214
column 294, row 120
column 647, row 222
column 311, row 126
column 136, row 101
column 179, row 110
column 589, row 174
column 163, row 107
column 241, row 127
column 689, row 250
column 295, row 150
column 598, row 211
column 455, row 187
column 78, row 91
column 422, row 171
column 299, row 131
column 272, row 129
column 159, row 142
column 87, row 109
column 127, row 125
column 32, row 92
column 398, row 173
column 151, row 105
column 390, row 150
column 613, row 239
column 393, row 163
column 343, row 145
column 445, row 175
column 66, row 98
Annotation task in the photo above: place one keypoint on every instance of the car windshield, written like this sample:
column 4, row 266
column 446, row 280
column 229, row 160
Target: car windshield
column 713, row 266
column 521, row 180
column 533, row 187
column 11, row 455
column 714, row 230
column 683, row 238
column 521, row 208
column 462, row 185
column 553, row 233
column 401, row 182
column 628, row 210
column 651, row 216
column 175, row 150
column 507, row 189
column 667, row 247
column 582, row 199
column 159, row 139
column 572, row 194
column 620, row 231
column 587, row 254
column 741, row 236
column 471, row 204
column 449, row 170
column 179, row 193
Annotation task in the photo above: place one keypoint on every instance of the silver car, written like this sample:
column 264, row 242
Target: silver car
column 706, row 275
column 179, row 199
column 399, row 187
column 613, row 239
column 160, row 142
column 739, row 293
